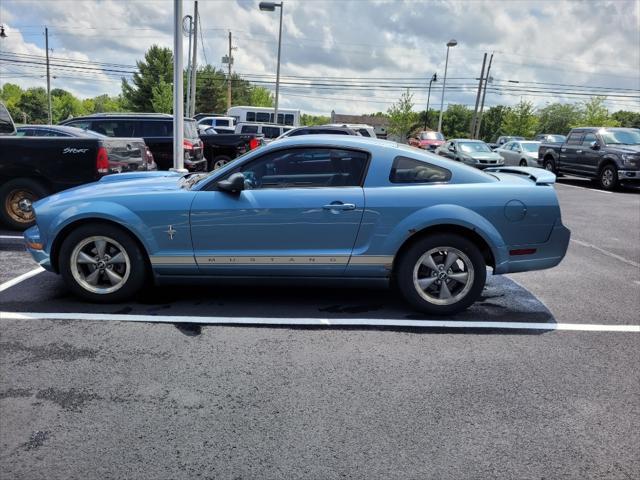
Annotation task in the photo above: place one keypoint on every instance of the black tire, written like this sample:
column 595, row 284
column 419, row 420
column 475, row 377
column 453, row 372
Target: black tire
column 550, row 165
column 219, row 162
column 422, row 300
column 11, row 194
column 137, row 267
column 608, row 177
column 523, row 163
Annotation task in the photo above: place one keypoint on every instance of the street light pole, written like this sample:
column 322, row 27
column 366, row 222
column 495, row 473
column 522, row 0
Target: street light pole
column 178, row 90
column 450, row 43
column 434, row 78
column 270, row 7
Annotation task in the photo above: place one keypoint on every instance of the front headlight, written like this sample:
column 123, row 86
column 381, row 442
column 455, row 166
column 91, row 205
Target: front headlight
column 630, row 160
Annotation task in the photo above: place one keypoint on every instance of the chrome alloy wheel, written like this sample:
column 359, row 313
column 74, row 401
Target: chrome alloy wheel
column 443, row 275
column 607, row 177
column 100, row 265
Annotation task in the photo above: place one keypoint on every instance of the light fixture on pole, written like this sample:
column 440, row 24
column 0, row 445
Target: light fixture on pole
column 270, row 7
column 434, row 78
column 450, row 43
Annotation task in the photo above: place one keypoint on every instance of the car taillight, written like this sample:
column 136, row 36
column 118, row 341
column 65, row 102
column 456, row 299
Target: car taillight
column 187, row 145
column 102, row 161
column 253, row 143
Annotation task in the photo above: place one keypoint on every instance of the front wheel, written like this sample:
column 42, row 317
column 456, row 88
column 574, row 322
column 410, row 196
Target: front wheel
column 608, row 178
column 523, row 163
column 441, row 274
column 102, row 263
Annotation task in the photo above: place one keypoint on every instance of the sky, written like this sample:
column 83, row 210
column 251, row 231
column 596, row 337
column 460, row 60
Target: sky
column 351, row 56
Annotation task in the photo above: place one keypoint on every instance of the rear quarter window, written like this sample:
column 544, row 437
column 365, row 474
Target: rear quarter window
column 407, row 170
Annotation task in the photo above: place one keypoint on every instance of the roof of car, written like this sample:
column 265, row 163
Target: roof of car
column 153, row 116
column 60, row 128
column 327, row 139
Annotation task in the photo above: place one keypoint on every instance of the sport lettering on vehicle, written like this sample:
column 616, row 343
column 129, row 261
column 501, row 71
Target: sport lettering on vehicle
column 75, row 150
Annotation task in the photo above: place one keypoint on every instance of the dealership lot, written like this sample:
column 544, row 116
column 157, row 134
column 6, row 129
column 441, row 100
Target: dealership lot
column 157, row 400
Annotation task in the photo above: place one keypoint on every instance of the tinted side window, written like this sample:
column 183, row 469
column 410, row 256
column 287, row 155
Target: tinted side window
column 251, row 116
column 6, row 125
column 364, row 132
column 574, row 138
column 157, row 128
column 115, row 128
column 249, row 129
column 588, row 138
column 288, row 119
column 306, row 167
column 271, row 132
column 409, row 170
column 83, row 124
column 262, row 117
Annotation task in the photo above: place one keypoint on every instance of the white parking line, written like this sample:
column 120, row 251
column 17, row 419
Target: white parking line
column 580, row 327
column 20, row 278
column 607, row 253
column 582, row 188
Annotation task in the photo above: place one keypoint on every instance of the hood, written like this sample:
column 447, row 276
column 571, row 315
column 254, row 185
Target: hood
column 631, row 149
column 483, row 155
column 121, row 184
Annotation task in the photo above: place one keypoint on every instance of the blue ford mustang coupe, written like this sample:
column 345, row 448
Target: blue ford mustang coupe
column 317, row 208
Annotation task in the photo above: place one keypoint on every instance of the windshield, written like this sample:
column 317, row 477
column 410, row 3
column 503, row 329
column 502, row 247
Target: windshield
column 621, row 137
column 471, row 147
column 530, row 146
column 431, row 136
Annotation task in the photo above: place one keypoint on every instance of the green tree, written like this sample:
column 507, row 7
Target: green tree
column 261, row 97
column 211, row 91
column 156, row 67
column 306, row 119
column 491, row 123
column 520, row 120
column 627, row 119
column 10, row 95
column 402, row 117
column 558, row 118
column 105, row 103
column 595, row 114
column 33, row 103
column 162, row 97
column 455, row 121
column 64, row 105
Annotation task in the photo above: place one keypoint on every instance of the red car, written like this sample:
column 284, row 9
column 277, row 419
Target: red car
column 427, row 140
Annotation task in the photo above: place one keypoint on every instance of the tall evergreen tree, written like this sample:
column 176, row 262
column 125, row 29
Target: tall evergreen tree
column 157, row 66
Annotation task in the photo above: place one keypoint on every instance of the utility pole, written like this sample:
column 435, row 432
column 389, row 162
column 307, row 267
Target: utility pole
column 194, row 63
column 434, row 78
column 474, row 119
column 484, row 94
column 230, row 62
column 46, row 46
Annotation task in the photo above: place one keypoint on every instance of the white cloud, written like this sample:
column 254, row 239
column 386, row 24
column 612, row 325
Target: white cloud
column 564, row 42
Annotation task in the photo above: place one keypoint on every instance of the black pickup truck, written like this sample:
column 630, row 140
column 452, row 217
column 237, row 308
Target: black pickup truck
column 33, row 167
column 610, row 156
column 220, row 149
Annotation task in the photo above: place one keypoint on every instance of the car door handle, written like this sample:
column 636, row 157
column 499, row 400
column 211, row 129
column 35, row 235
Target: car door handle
column 340, row 206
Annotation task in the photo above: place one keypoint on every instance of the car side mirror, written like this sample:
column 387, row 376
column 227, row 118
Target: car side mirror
column 594, row 145
column 233, row 184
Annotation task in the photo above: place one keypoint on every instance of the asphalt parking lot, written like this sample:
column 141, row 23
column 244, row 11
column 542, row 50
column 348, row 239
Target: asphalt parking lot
column 117, row 399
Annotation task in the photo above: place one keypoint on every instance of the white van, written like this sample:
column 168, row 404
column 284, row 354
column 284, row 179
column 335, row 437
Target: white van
column 286, row 116
column 221, row 124
column 270, row 131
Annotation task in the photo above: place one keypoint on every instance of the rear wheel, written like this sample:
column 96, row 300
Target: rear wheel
column 441, row 274
column 608, row 178
column 219, row 162
column 550, row 165
column 102, row 263
column 16, row 201
column 523, row 163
